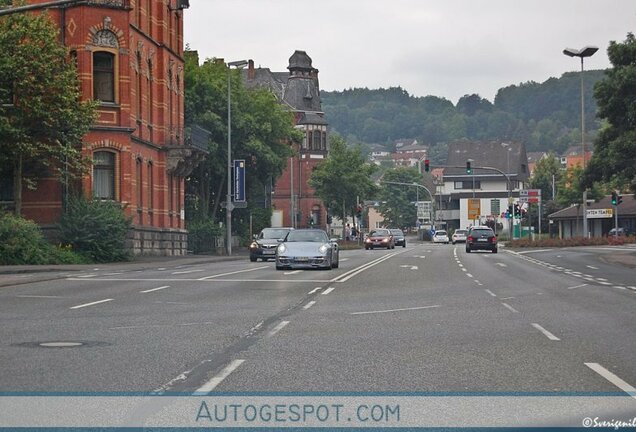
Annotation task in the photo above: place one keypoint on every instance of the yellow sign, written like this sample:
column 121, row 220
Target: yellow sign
column 474, row 208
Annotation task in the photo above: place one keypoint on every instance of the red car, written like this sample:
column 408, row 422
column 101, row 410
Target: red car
column 379, row 238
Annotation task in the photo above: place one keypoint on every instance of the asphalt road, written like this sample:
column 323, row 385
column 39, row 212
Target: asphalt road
column 426, row 318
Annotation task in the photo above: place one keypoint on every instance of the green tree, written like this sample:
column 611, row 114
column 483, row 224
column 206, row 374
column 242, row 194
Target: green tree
column 343, row 178
column 614, row 156
column 546, row 173
column 262, row 131
column 42, row 119
column 397, row 206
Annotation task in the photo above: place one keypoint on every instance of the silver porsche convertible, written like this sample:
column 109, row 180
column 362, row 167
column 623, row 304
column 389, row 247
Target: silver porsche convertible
column 307, row 248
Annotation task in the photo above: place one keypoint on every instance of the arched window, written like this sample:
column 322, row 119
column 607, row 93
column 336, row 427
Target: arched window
column 104, row 175
column 104, row 76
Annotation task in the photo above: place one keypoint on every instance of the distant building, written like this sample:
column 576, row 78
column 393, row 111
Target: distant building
column 129, row 56
column 455, row 187
column 573, row 157
column 569, row 221
column 533, row 159
column 294, row 201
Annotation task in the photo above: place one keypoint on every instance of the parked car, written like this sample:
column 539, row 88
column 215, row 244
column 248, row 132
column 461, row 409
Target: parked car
column 621, row 232
column 398, row 237
column 440, row 236
column 379, row 238
column 459, row 236
column 265, row 244
column 307, row 248
column 481, row 238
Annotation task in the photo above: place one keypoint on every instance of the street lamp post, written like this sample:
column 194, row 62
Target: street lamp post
column 229, row 206
column 587, row 51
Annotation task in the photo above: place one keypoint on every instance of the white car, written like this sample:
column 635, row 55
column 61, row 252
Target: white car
column 459, row 236
column 441, row 236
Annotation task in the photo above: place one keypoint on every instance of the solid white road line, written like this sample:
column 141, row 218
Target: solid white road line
column 351, row 273
column 87, row 276
column 91, row 304
column 533, row 251
column 155, row 289
column 315, row 290
column 545, row 332
column 394, row 310
column 232, row 273
column 278, row 328
column 510, row 308
column 501, row 264
column 619, row 287
column 491, row 293
column 38, row 296
column 214, row 382
column 618, row 382
column 328, row 290
column 577, row 286
column 187, row 271
column 308, row 305
column 292, row 272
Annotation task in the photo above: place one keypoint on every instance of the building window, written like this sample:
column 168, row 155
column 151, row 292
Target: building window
column 104, row 76
column 468, row 184
column 317, row 139
column 324, row 141
column 139, row 90
column 151, row 198
column 6, row 184
column 104, row 175
column 139, row 188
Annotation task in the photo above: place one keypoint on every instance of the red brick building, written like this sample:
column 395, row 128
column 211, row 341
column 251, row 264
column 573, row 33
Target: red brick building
column 299, row 90
column 129, row 55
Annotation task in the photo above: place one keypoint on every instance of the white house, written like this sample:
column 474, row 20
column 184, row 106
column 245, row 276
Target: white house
column 456, row 188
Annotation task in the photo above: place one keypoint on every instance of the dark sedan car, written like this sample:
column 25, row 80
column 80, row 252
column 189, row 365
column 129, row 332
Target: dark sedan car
column 481, row 238
column 379, row 238
column 265, row 244
column 399, row 238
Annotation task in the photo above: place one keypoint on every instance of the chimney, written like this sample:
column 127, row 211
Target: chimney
column 251, row 73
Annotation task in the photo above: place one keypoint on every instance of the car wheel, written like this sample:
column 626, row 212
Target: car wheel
column 467, row 250
column 279, row 267
column 336, row 264
column 253, row 259
column 404, row 244
column 494, row 250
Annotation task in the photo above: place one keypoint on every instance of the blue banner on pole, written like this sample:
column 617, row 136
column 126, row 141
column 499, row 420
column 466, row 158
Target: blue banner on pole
column 239, row 180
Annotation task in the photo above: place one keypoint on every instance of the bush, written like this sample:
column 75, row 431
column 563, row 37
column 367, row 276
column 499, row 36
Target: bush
column 573, row 241
column 95, row 229
column 202, row 235
column 22, row 242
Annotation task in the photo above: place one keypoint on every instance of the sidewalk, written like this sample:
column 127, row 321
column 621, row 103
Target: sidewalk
column 22, row 274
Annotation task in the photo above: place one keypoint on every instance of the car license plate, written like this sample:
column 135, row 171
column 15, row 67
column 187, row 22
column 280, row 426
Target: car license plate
column 269, row 252
column 482, row 240
column 302, row 259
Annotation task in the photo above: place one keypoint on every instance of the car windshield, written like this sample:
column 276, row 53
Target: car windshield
column 440, row 233
column 397, row 232
column 273, row 233
column 379, row 233
column 460, row 232
column 307, row 236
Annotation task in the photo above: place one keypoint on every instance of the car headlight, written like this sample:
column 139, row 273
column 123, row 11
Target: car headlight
column 281, row 248
column 367, row 240
column 385, row 241
column 323, row 249
column 254, row 245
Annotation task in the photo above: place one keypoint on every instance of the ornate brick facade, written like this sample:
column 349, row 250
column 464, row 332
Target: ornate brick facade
column 129, row 56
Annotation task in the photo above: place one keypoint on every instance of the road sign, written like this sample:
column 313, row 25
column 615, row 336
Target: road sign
column 600, row 213
column 239, row 180
column 530, row 195
column 474, row 208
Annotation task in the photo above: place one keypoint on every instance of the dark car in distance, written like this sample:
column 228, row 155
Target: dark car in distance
column 398, row 237
column 481, row 238
column 265, row 244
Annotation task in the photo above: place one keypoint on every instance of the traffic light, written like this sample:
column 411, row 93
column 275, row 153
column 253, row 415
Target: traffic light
column 427, row 166
column 469, row 170
column 619, row 199
column 614, row 198
column 517, row 210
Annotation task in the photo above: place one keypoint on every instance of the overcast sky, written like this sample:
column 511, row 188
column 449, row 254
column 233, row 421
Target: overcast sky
column 446, row 48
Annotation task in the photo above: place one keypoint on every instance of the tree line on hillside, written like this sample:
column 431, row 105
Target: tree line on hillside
column 545, row 116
